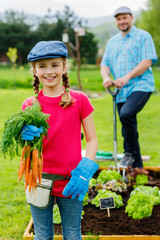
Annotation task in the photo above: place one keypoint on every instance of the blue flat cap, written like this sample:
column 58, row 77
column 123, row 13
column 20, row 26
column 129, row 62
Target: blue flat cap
column 122, row 10
column 47, row 49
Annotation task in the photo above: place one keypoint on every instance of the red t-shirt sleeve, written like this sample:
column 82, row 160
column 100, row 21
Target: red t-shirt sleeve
column 27, row 103
column 86, row 106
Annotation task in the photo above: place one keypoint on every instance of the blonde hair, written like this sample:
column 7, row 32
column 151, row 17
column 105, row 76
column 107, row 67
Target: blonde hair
column 66, row 98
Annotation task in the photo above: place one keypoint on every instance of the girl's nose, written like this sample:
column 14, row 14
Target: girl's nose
column 49, row 70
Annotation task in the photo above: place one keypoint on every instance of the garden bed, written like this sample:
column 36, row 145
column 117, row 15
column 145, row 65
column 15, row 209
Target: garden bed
column 118, row 225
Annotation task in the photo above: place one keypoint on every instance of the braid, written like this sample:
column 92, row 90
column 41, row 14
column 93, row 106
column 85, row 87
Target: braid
column 66, row 99
column 35, row 85
column 65, row 79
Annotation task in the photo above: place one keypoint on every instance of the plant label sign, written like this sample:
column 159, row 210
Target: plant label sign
column 107, row 203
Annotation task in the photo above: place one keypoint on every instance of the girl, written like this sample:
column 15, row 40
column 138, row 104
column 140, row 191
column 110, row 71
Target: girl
column 68, row 109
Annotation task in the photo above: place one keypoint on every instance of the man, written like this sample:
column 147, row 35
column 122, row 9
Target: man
column 128, row 57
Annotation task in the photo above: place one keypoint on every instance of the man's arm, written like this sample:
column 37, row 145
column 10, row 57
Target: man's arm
column 105, row 72
column 135, row 72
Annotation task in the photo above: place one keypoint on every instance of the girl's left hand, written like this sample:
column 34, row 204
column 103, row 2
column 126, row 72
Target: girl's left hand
column 79, row 182
column 77, row 187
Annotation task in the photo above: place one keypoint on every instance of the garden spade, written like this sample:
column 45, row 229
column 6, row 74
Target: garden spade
column 114, row 94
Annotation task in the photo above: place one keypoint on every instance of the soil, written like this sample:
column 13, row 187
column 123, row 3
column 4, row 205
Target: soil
column 97, row 221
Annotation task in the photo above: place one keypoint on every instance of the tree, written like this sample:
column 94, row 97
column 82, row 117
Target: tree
column 89, row 48
column 15, row 33
column 12, row 17
column 49, row 31
column 88, row 45
column 79, row 47
column 149, row 21
column 12, row 55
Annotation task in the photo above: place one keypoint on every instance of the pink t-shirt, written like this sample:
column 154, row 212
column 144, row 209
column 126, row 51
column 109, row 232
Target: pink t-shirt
column 62, row 148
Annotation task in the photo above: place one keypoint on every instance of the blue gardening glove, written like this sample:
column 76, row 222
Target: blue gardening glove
column 79, row 182
column 31, row 131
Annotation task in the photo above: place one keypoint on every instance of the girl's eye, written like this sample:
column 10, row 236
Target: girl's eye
column 55, row 65
column 40, row 66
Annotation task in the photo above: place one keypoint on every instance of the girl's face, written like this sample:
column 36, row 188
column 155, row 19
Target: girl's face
column 49, row 72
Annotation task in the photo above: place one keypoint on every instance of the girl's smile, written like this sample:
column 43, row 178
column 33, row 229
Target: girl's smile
column 50, row 79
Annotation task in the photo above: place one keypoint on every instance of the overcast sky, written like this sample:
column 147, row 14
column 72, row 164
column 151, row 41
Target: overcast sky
column 82, row 8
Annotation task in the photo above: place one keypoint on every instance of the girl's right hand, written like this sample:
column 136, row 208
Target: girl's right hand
column 31, row 131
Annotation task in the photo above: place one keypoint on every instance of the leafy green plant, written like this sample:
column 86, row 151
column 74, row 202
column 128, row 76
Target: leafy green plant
column 82, row 214
column 106, row 194
column 114, row 185
column 141, row 202
column 137, row 176
column 11, row 136
column 92, row 236
column 56, row 215
column 105, row 176
column 141, row 180
column 86, row 200
column 12, row 55
column 140, row 206
column 108, row 179
column 92, row 182
column 153, row 192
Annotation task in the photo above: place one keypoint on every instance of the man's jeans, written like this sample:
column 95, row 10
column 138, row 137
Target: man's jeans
column 128, row 116
column 70, row 211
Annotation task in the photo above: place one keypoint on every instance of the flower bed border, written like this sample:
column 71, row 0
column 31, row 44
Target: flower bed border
column 29, row 236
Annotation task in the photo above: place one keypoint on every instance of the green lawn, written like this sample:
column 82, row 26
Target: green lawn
column 14, row 211
column 21, row 77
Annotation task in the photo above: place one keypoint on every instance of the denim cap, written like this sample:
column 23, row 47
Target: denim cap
column 47, row 49
column 122, row 10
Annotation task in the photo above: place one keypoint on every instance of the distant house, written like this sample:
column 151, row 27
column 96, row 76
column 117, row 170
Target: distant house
column 3, row 59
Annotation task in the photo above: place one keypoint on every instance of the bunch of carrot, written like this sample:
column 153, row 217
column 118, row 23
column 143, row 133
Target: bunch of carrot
column 31, row 167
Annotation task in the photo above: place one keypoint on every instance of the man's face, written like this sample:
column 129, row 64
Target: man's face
column 124, row 22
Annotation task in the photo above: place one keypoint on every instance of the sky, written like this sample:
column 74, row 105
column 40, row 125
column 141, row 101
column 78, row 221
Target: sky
column 82, row 8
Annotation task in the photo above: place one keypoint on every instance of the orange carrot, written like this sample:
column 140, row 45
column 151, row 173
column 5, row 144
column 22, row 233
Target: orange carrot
column 35, row 166
column 30, row 180
column 28, row 164
column 26, row 182
column 39, row 168
column 40, row 164
column 21, row 169
column 22, row 159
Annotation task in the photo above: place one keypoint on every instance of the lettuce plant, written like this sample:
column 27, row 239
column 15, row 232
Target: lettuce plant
column 105, row 176
column 111, row 180
column 106, row 194
column 141, row 202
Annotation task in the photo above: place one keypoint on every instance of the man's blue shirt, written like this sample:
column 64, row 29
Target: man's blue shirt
column 122, row 54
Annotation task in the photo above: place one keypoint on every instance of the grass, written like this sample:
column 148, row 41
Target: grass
column 14, row 212
column 148, row 125
column 21, row 77
column 15, row 77
column 92, row 236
